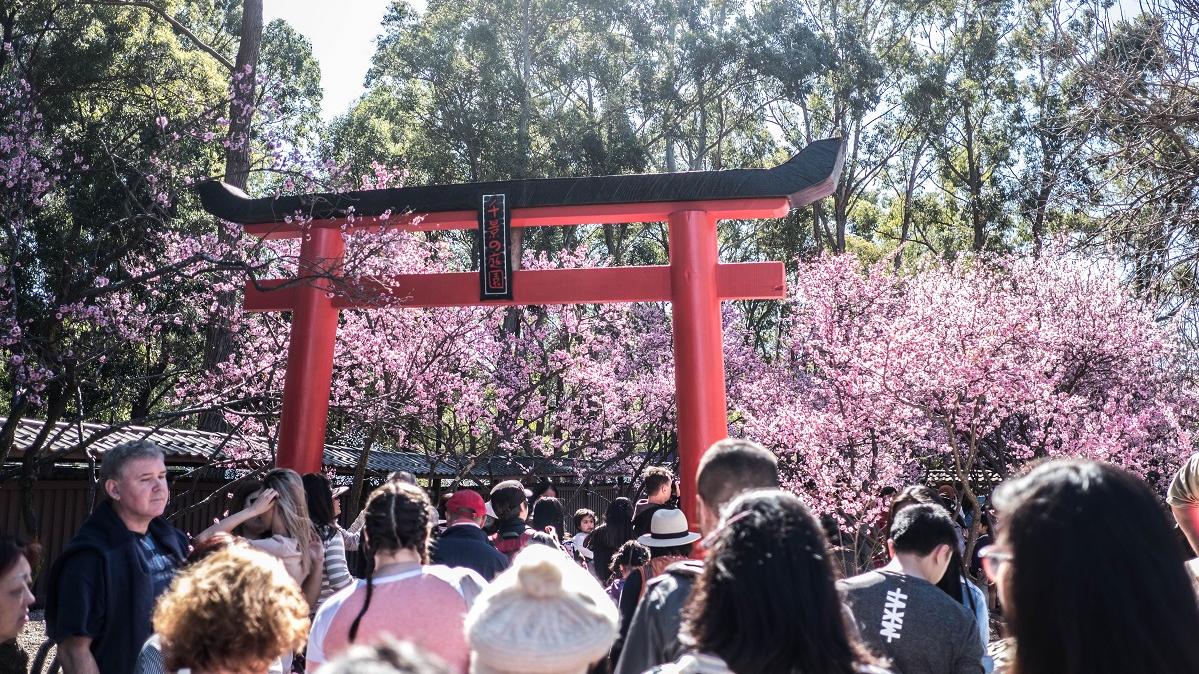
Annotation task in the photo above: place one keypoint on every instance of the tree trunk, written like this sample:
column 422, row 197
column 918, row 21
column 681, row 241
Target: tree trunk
column 218, row 338
column 356, row 490
column 974, row 183
column 908, row 193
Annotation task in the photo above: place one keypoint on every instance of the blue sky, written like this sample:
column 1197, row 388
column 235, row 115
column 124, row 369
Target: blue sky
column 343, row 36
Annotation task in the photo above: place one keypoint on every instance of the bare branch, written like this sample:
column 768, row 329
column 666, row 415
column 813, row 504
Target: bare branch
column 146, row 4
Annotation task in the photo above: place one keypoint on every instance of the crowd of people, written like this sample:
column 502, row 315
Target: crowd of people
column 1080, row 556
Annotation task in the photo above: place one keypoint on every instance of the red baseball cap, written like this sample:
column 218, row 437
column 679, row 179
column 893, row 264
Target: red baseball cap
column 465, row 501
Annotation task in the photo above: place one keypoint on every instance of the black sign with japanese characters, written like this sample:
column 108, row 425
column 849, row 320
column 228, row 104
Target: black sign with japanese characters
column 495, row 267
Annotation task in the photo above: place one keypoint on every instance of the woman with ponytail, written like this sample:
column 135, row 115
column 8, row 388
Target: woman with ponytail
column 401, row 595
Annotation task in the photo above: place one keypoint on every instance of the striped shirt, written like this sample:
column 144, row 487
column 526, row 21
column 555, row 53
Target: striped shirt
column 337, row 572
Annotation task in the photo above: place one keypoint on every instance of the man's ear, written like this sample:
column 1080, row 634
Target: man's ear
column 891, row 548
column 705, row 515
column 113, row 489
column 944, row 554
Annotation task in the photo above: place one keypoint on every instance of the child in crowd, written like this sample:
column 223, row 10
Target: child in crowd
column 584, row 521
column 631, row 555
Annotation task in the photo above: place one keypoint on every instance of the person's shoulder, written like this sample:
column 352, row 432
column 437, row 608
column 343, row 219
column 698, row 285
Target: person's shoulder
column 1184, row 488
column 675, row 584
column 465, row 581
column 277, row 545
column 861, row 581
column 694, row 663
column 454, row 575
column 335, row 600
column 689, row 568
column 81, row 565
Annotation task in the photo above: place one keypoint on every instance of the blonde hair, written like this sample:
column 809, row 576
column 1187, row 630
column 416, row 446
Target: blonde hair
column 236, row 609
column 292, row 505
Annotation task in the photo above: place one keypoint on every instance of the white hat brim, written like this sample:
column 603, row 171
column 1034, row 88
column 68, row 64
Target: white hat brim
column 649, row 541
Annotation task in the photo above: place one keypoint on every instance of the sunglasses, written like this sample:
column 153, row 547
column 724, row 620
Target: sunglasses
column 993, row 559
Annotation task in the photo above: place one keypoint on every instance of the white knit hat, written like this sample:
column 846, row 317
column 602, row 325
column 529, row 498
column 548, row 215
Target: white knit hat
column 544, row 615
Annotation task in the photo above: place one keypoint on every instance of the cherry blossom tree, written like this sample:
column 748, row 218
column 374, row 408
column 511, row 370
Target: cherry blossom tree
column 980, row 364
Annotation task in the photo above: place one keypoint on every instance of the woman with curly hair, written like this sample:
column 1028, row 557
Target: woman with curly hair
column 402, row 595
column 237, row 610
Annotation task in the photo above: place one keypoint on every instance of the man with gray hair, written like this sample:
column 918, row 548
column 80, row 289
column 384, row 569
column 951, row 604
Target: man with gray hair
column 102, row 588
column 728, row 468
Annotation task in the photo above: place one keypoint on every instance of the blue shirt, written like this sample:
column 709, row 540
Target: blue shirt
column 157, row 562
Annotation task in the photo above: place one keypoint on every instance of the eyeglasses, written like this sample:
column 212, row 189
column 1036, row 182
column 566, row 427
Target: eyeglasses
column 993, row 559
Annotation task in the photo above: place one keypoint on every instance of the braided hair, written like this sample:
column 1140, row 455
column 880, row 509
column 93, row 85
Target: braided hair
column 397, row 518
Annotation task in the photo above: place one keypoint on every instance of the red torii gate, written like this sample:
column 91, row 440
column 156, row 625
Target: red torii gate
column 694, row 281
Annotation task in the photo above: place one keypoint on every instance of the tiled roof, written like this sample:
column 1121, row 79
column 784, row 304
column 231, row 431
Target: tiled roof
column 187, row 446
column 197, row 445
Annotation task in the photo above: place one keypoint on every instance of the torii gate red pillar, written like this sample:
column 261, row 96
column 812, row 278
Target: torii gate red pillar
column 698, row 345
column 309, row 376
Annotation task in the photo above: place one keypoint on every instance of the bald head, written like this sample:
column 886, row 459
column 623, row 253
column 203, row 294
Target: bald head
column 730, row 467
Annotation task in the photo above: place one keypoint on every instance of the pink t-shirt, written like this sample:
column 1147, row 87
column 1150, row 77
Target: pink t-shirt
column 426, row 605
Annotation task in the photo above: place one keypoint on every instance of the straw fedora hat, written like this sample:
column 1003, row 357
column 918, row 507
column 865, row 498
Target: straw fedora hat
column 668, row 528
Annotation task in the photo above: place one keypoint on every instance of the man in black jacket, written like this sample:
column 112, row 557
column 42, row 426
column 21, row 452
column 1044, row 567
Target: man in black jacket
column 658, row 483
column 464, row 543
column 728, row 468
column 103, row 586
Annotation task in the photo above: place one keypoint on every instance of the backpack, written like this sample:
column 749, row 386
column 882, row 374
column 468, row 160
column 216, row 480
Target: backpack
column 656, row 567
column 510, row 544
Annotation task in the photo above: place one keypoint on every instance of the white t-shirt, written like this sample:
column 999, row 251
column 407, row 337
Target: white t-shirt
column 578, row 541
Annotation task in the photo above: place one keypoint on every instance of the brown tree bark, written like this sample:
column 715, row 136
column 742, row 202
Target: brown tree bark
column 218, row 339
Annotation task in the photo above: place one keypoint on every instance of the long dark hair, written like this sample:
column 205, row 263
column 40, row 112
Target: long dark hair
column 320, row 502
column 951, row 582
column 766, row 602
column 618, row 524
column 630, row 555
column 397, row 518
column 1093, row 587
column 548, row 512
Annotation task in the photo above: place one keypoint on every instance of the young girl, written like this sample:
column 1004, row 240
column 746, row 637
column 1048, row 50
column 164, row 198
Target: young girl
column 584, row 521
column 631, row 555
